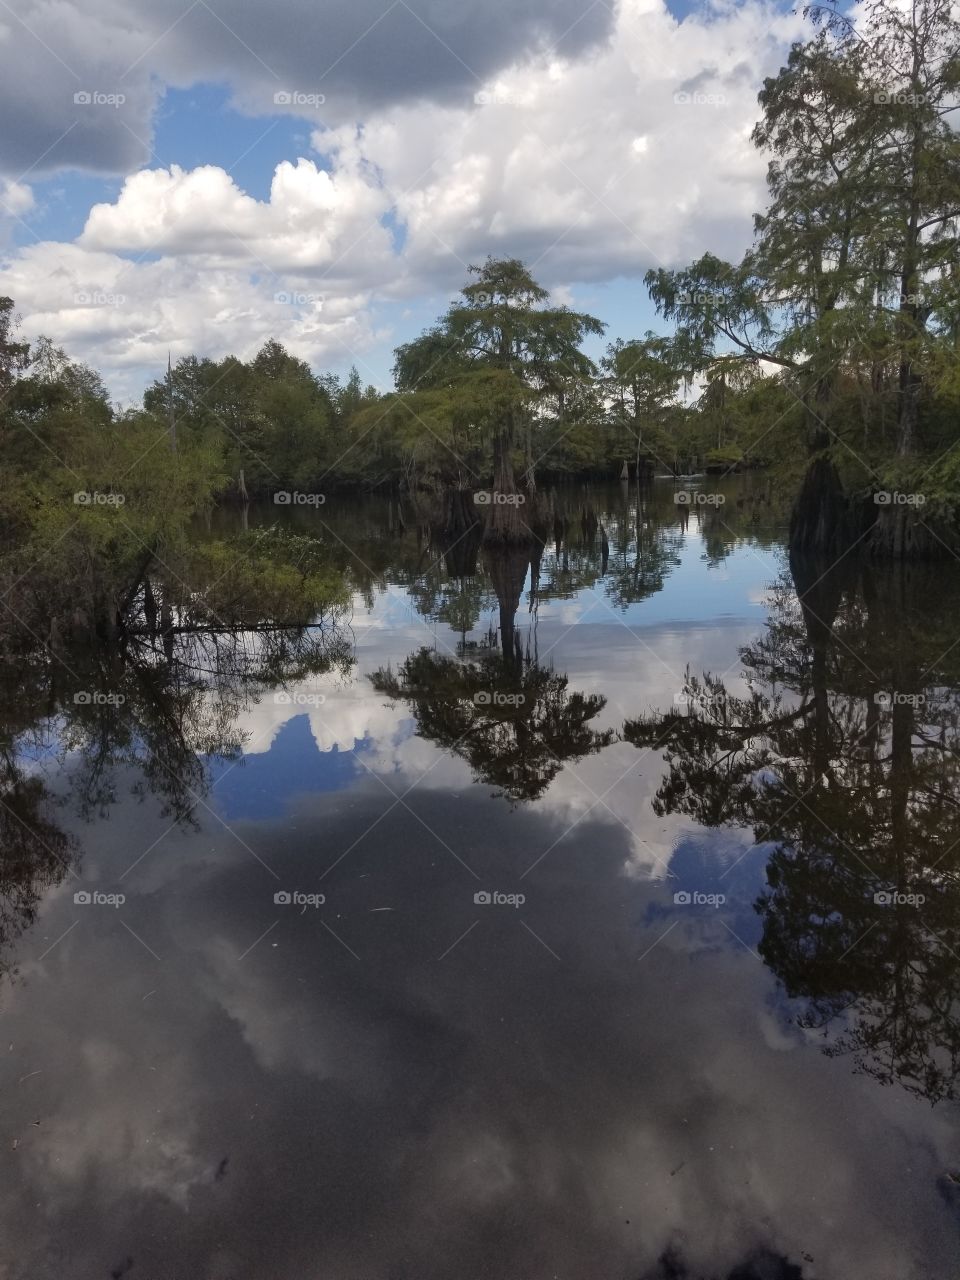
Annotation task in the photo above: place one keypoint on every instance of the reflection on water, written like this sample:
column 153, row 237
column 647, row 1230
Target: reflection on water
column 558, row 914
column 843, row 759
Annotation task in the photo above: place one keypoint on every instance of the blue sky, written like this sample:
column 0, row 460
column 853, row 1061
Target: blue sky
column 593, row 142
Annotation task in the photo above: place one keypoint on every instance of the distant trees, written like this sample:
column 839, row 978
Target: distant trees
column 272, row 418
column 641, row 381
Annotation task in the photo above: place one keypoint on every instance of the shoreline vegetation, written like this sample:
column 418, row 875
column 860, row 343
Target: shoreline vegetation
column 829, row 357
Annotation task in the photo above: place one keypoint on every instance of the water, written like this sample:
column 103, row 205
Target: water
column 604, row 983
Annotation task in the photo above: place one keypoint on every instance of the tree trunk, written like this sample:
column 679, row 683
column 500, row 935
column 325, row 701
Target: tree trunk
column 507, row 524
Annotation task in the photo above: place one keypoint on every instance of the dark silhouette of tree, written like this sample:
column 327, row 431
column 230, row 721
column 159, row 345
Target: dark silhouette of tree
column 35, row 854
column 843, row 756
column 515, row 722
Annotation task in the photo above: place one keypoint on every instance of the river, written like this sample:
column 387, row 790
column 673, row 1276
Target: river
column 585, row 915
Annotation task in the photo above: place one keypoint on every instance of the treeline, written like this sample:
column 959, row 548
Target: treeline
column 830, row 351
column 278, row 425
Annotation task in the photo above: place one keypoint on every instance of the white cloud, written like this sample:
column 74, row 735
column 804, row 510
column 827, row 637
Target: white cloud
column 16, row 198
column 123, row 316
column 309, row 225
column 634, row 155
column 597, row 171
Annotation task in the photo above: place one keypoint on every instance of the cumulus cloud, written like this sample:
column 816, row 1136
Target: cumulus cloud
column 308, row 225
column 635, row 154
column 632, row 154
column 358, row 55
column 124, row 316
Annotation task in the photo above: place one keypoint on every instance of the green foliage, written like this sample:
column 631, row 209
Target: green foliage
column 97, row 518
column 499, row 369
column 850, row 287
column 260, row 578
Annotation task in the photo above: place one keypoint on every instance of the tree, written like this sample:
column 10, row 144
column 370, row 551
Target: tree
column 498, row 359
column 641, row 381
column 14, row 355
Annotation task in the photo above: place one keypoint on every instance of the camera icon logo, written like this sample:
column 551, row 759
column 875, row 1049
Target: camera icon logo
column 883, row 898
column 682, row 898
column 82, row 499
column 282, row 499
column 482, row 898
column 282, row 98
column 882, row 499
column 882, row 699
column 82, row 898
column 482, row 698
column 682, row 498
column 82, row 698
column 482, row 499
column 282, row 898
column 82, row 98
column 282, row 699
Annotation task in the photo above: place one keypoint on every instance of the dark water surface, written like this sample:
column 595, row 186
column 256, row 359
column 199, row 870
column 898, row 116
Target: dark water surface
column 709, row 1029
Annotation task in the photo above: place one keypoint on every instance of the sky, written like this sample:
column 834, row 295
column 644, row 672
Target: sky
column 194, row 177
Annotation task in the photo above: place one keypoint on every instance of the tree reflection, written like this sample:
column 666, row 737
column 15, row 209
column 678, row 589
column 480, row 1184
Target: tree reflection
column 155, row 714
column 842, row 754
column 35, row 854
column 515, row 722
column 167, row 708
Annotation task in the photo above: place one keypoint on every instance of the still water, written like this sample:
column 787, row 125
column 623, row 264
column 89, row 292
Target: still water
column 589, row 915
